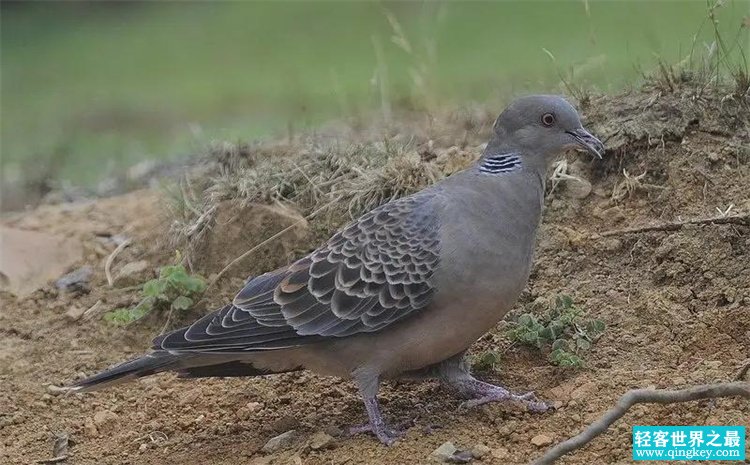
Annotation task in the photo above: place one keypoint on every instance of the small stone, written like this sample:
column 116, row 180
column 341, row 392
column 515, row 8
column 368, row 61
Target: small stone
column 76, row 281
column 104, row 419
column 578, row 187
column 574, row 237
column 129, row 273
column 541, row 440
column 500, row 453
column 75, row 313
column 56, row 390
column 253, row 406
column 479, row 451
column 282, row 441
column 444, row 452
column 143, row 447
column 321, row 440
column 461, row 456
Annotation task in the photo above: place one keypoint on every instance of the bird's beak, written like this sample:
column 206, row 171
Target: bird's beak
column 586, row 141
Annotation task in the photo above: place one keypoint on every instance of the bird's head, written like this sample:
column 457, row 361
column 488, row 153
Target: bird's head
column 543, row 126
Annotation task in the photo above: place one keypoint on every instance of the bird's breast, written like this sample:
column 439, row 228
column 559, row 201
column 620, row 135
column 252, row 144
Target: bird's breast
column 488, row 249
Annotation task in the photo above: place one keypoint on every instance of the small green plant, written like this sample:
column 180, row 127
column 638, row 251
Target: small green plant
column 174, row 290
column 564, row 329
column 486, row 361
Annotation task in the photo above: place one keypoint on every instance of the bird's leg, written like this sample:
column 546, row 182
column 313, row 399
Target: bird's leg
column 454, row 372
column 368, row 389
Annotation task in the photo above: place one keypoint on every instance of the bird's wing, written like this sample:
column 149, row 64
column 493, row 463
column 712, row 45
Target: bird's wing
column 376, row 271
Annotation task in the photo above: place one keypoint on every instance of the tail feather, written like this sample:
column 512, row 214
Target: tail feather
column 234, row 368
column 145, row 365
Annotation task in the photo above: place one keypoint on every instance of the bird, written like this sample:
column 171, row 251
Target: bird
column 401, row 292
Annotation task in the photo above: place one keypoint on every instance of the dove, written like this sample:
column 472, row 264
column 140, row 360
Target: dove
column 403, row 291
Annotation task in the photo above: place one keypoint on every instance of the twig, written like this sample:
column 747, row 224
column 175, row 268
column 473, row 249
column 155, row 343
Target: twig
column 743, row 220
column 58, row 459
column 642, row 396
column 111, row 258
column 269, row 240
column 92, row 311
column 169, row 319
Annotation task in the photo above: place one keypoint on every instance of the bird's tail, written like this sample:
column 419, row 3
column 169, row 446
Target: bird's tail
column 145, row 365
column 186, row 366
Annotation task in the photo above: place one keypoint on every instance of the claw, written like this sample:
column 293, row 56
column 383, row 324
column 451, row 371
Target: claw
column 387, row 436
column 482, row 393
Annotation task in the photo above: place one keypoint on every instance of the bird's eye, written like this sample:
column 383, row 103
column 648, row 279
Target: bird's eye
column 548, row 119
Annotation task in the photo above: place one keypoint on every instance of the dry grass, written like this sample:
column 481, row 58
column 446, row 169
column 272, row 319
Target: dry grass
column 354, row 170
column 631, row 184
column 710, row 64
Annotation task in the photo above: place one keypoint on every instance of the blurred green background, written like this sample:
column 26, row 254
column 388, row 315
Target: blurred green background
column 91, row 88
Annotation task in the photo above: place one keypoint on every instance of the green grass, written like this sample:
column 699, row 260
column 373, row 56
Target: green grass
column 95, row 88
column 174, row 289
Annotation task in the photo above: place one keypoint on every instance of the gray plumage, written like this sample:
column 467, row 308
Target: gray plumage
column 401, row 292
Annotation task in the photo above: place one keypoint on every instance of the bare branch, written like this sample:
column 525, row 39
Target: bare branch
column 59, row 459
column 111, row 259
column 642, row 396
column 743, row 220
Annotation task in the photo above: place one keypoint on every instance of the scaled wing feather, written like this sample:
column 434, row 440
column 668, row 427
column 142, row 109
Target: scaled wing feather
column 373, row 273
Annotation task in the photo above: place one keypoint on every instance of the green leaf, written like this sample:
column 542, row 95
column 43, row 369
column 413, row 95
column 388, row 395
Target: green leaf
column 153, row 288
column 182, row 303
column 565, row 359
column 595, row 327
column 487, row 360
column 167, row 271
column 561, row 344
column 177, row 276
column 583, row 344
column 557, row 329
column 526, row 319
column 194, row 284
column 122, row 316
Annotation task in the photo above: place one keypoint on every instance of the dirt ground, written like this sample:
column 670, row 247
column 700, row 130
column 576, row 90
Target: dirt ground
column 676, row 304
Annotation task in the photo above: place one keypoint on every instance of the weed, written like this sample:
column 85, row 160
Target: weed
column 422, row 55
column 486, row 361
column 580, row 92
column 632, row 184
column 564, row 329
column 174, row 289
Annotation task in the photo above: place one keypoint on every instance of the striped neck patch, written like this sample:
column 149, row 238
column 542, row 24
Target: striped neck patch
column 497, row 164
